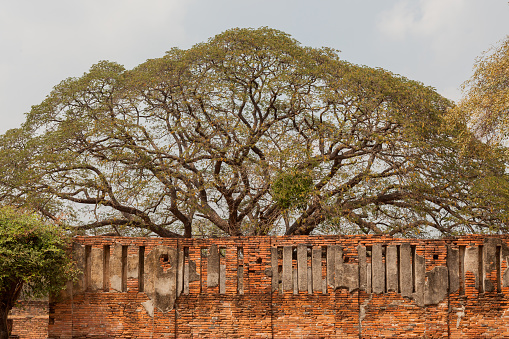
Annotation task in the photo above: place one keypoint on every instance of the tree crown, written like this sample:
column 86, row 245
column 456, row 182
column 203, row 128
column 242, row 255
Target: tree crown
column 485, row 105
column 33, row 252
column 250, row 133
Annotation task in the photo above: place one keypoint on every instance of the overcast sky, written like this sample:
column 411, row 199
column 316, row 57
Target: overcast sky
column 432, row 41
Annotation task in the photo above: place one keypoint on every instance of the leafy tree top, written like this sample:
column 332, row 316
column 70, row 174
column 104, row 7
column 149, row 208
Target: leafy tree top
column 250, row 133
column 33, row 254
column 486, row 101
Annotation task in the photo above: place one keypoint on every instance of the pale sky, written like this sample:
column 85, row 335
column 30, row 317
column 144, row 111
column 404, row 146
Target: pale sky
column 432, row 41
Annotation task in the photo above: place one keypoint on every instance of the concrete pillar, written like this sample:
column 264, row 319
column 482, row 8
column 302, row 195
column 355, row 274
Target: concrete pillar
column 391, row 263
column 274, row 268
column 378, row 269
column 96, row 269
column 453, row 269
column 160, row 283
column 405, row 270
column 310, row 281
column 316, row 266
column 369, row 276
column 295, row 284
column 331, row 265
column 186, row 278
column 361, row 250
column 213, row 267
column 79, row 257
column 180, row 271
column 351, row 276
column 436, row 285
column 302, row 267
column 420, row 277
column 505, row 274
column 287, row 269
column 222, row 279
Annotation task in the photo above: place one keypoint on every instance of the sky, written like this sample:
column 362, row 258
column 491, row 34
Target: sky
column 44, row 42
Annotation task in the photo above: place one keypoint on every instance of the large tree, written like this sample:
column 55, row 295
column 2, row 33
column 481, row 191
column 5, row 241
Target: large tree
column 485, row 104
column 34, row 258
column 249, row 134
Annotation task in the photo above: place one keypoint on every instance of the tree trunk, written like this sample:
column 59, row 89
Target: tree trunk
column 8, row 297
column 4, row 330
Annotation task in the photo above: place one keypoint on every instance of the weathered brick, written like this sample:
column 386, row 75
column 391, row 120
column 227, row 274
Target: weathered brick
column 327, row 292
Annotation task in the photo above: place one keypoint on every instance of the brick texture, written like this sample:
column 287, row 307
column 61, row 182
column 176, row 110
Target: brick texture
column 280, row 287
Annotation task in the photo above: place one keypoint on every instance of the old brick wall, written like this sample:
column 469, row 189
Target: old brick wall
column 286, row 287
column 30, row 319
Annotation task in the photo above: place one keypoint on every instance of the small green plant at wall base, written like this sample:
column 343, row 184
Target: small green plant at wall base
column 34, row 258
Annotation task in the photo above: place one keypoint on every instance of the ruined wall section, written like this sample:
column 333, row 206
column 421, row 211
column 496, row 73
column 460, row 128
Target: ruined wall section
column 280, row 287
column 479, row 297
column 30, row 319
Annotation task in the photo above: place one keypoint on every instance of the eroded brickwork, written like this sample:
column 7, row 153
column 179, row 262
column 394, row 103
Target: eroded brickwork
column 285, row 287
column 30, row 319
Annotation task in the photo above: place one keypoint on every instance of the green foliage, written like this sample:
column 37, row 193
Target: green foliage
column 33, row 253
column 485, row 105
column 292, row 189
column 250, row 133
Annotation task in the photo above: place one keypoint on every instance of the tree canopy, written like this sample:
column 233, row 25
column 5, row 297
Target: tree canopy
column 250, row 133
column 486, row 100
column 33, row 257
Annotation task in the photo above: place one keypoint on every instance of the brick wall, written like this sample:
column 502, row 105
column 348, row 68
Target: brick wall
column 30, row 319
column 285, row 287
